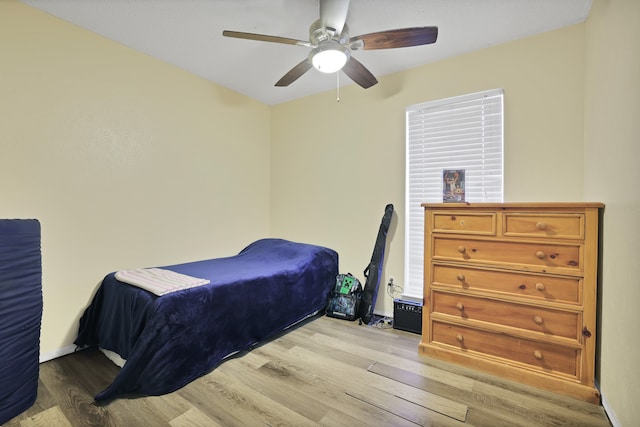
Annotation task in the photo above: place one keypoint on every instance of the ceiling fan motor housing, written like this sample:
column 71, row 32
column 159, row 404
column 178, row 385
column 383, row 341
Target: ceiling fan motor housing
column 319, row 34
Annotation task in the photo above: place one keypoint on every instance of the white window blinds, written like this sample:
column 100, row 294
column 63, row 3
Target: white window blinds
column 464, row 132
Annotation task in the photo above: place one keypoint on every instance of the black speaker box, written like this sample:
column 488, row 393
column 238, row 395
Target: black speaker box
column 407, row 316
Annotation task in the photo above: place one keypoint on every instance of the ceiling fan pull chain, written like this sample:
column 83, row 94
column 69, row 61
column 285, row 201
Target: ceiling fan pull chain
column 338, row 86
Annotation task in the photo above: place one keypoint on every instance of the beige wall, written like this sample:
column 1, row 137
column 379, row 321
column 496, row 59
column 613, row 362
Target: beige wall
column 125, row 160
column 335, row 165
column 612, row 150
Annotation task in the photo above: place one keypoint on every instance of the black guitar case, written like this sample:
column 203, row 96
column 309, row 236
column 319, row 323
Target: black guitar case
column 373, row 272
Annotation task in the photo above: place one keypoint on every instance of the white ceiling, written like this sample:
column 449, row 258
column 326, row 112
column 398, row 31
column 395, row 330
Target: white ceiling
column 188, row 34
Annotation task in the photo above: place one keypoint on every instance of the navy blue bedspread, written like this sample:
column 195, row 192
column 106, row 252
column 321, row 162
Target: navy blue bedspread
column 171, row 340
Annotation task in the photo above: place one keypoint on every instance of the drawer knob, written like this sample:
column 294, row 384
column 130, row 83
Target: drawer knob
column 538, row 320
column 540, row 255
column 537, row 354
column 460, row 306
column 461, row 249
column 541, row 226
column 460, row 277
column 540, row 286
column 459, row 338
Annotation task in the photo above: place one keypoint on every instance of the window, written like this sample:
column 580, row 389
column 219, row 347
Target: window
column 464, row 132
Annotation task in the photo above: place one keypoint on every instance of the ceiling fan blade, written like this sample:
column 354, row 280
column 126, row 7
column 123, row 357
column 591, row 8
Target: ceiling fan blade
column 333, row 14
column 403, row 37
column 264, row 38
column 294, row 74
column 359, row 73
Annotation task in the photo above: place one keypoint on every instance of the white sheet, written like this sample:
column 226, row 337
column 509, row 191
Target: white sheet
column 159, row 281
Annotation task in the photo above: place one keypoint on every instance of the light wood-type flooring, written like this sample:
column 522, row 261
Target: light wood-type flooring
column 325, row 372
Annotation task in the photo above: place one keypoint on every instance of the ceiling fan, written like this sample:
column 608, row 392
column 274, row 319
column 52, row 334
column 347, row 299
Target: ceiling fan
column 331, row 45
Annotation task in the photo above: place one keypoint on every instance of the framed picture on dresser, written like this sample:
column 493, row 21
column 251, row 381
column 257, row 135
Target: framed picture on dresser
column 453, row 185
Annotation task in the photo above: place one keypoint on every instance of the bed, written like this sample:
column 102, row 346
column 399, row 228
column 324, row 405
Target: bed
column 170, row 340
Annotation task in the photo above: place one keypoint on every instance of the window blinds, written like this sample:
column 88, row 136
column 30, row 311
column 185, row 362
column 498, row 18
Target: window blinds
column 464, row 132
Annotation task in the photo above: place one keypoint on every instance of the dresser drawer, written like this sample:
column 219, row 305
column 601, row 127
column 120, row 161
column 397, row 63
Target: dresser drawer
column 464, row 223
column 546, row 357
column 557, row 226
column 544, row 287
column 522, row 316
column 540, row 256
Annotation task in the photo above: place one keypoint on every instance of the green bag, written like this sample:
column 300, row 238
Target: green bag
column 344, row 301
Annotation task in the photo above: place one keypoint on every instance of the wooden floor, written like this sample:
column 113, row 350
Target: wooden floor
column 325, row 372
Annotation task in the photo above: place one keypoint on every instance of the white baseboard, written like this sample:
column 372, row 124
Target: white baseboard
column 610, row 413
column 45, row 357
column 383, row 314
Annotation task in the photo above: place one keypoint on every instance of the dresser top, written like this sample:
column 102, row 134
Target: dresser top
column 518, row 205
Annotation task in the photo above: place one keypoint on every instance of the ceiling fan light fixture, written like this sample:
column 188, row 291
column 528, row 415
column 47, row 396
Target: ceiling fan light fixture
column 329, row 57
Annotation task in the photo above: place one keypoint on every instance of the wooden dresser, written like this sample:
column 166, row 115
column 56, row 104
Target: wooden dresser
column 510, row 289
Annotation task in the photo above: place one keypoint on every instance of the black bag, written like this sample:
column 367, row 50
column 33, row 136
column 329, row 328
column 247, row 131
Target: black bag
column 373, row 272
column 344, row 301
